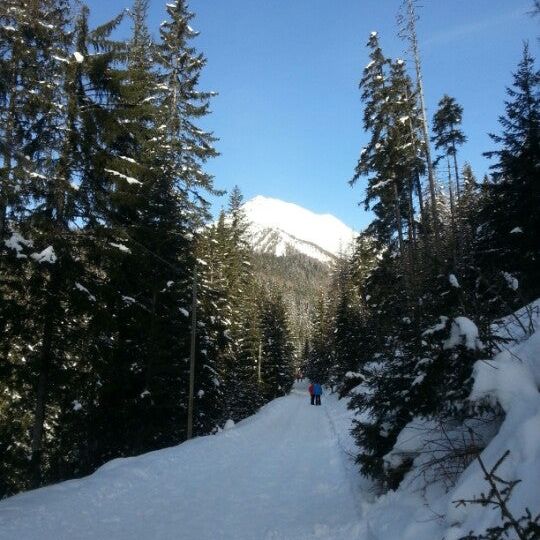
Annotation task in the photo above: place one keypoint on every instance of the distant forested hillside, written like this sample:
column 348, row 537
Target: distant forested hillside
column 300, row 279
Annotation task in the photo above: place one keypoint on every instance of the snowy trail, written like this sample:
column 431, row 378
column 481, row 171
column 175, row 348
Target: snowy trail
column 280, row 474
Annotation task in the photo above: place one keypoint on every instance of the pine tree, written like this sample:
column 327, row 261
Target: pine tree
column 347, row 324
column 447, row 133
column 182, row 105
column 407, row 21
column 321, row 350
column 157, row 204
column 243, row 386
column 447, row 137
column 511, row 217
column 467, row 212
column 392, row 160
column 64, row 88
column 277, row 352
column 213, row 340
column 102, row 188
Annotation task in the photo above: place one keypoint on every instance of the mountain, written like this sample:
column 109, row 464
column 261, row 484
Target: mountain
column 294, row 249
column 282, row 228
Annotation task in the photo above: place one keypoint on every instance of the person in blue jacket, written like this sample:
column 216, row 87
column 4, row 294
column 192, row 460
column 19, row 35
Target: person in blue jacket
column 317, row 391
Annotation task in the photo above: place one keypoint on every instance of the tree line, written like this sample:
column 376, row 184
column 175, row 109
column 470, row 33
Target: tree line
column 410, row 311
column 105, row 224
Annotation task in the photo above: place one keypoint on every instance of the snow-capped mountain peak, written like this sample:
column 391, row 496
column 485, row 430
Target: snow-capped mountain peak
column 279, row 227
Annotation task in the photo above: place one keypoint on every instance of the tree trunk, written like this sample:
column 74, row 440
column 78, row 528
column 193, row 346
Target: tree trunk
column 44, row 367
column 452, row 216
column 397, row 212
column 412, row 231
column 427, row 151
column 7, row 159
column 456, row 172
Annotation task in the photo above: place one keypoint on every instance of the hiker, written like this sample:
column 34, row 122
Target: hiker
column 317, row 391
column 311, row 390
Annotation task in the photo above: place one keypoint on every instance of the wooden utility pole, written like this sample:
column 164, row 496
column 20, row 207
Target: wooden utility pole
column 192, row 355
column 259, row 379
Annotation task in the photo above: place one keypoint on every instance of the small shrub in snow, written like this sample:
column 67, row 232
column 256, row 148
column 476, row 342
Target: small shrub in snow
column 526, row 527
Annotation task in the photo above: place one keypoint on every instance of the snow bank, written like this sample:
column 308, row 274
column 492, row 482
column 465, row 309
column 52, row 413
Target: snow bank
column 424, row 507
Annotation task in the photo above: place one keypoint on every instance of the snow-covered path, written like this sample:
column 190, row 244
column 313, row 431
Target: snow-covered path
column 280, row 474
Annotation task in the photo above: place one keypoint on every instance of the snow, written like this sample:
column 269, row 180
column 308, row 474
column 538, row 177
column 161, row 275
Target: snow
column 420, row 511
column 60, row 59
column 277, row 225
column 283, row 474
column 121, row 247
column 512, row 379
column 76, row 406
column 17, row 242
column 381, row 184
column 229, row 424
column 463, row 332
column 128, row 179
column 453, row 281
column 287, row 472
column 404, row 146
column 125, row 158
column 46, row 256
column 437, row 327
column 83, row 289
column 511, row 280
column 78, row 57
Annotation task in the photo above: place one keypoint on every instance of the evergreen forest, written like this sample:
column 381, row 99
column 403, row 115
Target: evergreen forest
column 133, row 317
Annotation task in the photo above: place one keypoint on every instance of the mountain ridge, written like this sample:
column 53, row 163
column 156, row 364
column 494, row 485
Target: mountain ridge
column 279, row 227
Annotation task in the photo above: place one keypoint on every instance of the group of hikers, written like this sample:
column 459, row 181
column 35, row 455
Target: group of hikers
column 315, row 393
column 314, row 389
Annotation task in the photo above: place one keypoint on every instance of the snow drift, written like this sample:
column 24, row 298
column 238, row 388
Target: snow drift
column 425, row 505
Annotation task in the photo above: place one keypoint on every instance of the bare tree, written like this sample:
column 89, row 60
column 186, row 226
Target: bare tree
column 407, row 22
column 526, row 527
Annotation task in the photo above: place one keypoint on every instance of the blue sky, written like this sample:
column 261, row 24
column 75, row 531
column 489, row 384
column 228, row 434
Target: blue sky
column 288, row 113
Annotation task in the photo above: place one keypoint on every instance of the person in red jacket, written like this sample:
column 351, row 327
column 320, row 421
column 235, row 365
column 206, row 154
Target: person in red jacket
column 311, row 390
